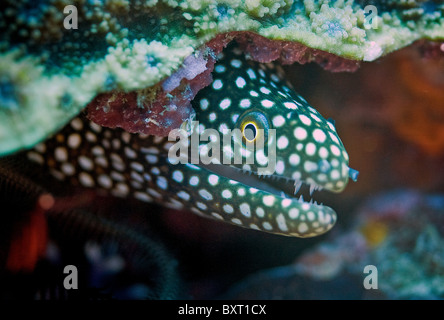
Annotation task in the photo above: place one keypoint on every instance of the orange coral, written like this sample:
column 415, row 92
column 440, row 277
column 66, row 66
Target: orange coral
column 420, row 113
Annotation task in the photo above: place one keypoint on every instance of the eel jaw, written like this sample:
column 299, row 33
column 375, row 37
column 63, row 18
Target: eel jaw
column 287, row 213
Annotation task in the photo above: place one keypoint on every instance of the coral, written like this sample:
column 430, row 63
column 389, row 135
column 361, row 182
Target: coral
column 408, row 251
column 408, row 256
column 164, row 107
column 49, row 73
column 120, row 109
column 419, row 118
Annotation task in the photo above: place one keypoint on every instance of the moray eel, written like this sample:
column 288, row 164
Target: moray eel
column 298, row 147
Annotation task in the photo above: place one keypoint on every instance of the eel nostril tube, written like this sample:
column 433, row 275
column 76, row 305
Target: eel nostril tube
column 353, row 174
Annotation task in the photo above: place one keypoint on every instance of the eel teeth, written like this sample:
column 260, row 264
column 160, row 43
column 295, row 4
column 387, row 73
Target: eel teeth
column 313, row 188
column 297, row 185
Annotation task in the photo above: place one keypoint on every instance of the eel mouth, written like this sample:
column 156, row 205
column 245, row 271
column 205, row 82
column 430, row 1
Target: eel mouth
column 279, row 186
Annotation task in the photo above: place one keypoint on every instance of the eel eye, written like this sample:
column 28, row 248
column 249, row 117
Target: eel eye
column 250, row 131
column 253, row 125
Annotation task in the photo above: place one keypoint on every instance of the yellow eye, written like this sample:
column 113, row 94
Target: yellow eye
column 254, row 127
column 249, row 131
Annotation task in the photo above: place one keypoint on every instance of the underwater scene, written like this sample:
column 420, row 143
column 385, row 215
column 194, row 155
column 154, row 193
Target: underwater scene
column 221, row 150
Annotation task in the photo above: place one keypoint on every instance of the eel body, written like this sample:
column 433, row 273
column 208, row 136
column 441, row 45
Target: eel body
column 251, row 146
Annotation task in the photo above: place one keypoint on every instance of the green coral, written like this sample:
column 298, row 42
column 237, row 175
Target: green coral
column 134, row 44
column 406, row 273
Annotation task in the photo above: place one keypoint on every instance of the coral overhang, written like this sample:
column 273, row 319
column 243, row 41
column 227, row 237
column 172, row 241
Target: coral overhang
column 164, row 107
